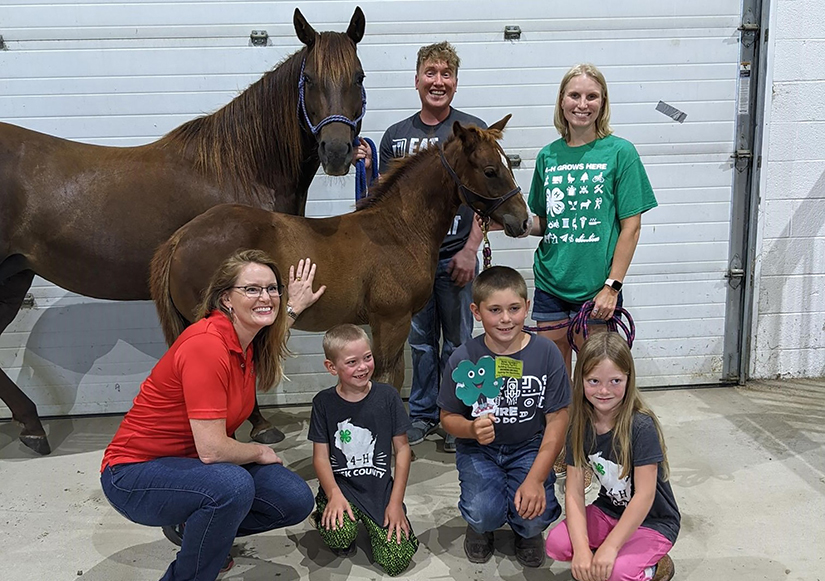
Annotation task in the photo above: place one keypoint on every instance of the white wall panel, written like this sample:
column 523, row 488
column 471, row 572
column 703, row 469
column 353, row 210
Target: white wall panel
column 126, row 72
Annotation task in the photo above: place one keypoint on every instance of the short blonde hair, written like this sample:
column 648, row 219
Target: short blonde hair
column 438, row 52
column 603, row 122
column 340, row 336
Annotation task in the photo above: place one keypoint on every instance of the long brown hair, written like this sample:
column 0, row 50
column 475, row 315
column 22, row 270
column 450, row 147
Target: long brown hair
column 603, row 121
column 269, row 344
column 612, row 347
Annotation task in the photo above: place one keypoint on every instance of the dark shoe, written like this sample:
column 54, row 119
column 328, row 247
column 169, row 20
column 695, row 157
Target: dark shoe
column 346, row 552
column 664, row 569
column 420, row 429
column 530, row 551
column 174, row 533
column 449, row 443
column 478, row 546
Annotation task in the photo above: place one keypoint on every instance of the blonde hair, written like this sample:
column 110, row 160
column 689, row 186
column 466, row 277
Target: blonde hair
column 340, row 336
column 603, row 121
column 498, row 278
column 612, row 347
column 438, row 52
column 269, row 344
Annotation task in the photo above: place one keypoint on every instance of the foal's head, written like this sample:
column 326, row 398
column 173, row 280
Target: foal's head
column 482, row 166
column 333, row 82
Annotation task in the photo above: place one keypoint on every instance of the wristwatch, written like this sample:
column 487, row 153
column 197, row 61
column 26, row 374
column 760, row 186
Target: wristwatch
column 616, row 285
column 291, row 312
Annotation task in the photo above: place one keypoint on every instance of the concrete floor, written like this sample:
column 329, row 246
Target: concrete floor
column 748, row 470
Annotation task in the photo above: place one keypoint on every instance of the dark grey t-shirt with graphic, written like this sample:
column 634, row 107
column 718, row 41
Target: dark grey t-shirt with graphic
column 615, row 494
column 519, row 401
column 410, row 136
column 360, row 436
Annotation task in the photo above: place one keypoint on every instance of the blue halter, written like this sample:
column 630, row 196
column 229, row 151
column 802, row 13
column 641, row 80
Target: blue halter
column 302, row 108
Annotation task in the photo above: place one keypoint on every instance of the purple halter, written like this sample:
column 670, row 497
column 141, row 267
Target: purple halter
column 332, row 118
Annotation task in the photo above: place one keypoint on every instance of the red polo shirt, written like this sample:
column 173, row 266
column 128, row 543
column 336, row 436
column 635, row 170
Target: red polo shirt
column 203, row 376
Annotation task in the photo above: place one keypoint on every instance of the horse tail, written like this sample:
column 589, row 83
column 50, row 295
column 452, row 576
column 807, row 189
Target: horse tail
column 171, row 320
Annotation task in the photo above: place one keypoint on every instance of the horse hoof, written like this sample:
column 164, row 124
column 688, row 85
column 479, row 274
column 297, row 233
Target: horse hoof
column 40, row 444
column 269, row 436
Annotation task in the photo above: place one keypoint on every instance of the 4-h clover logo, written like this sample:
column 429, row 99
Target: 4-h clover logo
column 474, row 380
column 346, row 436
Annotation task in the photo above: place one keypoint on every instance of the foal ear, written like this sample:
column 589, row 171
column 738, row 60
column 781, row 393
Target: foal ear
column 499, row 125
column 303, row 29
column 357, row 25
column 468, row 136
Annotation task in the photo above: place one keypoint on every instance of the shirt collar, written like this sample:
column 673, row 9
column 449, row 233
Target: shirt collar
column 226, row 330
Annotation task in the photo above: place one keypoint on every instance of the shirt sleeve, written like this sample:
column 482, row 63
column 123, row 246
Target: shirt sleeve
column 385, row 151
column 318, row 423
column 447, row 399
column 646, row 447
column 400, row 420
column 536, row 201
column 557, row 393
column 203, row 365
column 634, row 193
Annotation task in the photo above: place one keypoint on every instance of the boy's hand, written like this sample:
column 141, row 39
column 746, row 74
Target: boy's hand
column 483, row 429
column 333, row 516
column 581, row 565
column 396, row 520
column 603, row 561
column 530, row 499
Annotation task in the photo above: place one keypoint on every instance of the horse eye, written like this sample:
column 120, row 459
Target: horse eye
column 308, row 80
column 359, row 80
column 490, row 172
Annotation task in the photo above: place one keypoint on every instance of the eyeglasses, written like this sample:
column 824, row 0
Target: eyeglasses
column 254, row 291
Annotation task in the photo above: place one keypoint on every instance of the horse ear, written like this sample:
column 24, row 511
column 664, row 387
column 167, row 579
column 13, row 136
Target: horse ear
column 357, row 25
column 499, row 125
column 464, row 134
column 303, row 29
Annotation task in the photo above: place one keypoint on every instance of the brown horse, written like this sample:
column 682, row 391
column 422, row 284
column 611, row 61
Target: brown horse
column 88, row 218
column 378, row 262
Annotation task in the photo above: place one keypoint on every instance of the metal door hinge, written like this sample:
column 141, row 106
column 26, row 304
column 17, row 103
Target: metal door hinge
column 515, row 159
column 749, row 32
column 28, row 301
column 259, row 38
column 3, row 43
column 512, row 32
column 735, row 273
column 742, row 159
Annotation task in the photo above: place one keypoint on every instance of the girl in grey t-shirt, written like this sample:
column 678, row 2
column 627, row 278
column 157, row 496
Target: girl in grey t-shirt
column 627, row 532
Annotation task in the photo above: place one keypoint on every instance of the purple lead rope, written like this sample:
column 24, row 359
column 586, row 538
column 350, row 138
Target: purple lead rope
column 578, row 324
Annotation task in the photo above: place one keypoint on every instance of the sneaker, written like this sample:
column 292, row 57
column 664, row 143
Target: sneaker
column 345, row 552
column 174, row 533
column 477, row 546
column 663, row 571
column 530, row 550
column 228, row 564
column 420, row 429
column 449, row 443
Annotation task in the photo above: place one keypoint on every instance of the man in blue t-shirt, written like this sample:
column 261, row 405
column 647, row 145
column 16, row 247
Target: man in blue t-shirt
column 447, row 314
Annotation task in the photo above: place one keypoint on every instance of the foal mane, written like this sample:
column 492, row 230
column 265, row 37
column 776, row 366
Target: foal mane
column 257, row 137
column 401, row 166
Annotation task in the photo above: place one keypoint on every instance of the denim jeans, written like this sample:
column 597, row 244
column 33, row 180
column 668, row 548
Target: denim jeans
column 216, row 501
column 447, row 313
column 489, row 477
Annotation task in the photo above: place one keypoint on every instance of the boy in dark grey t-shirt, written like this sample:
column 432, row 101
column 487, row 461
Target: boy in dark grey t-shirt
column 504, row 395
column 355, row 426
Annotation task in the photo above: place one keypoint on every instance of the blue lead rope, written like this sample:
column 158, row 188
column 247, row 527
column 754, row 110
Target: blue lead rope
column 361, row 182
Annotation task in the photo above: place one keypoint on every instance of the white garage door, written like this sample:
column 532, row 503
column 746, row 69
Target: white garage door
column 125, row 73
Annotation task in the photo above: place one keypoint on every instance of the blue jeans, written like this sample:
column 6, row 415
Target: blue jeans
column 446, row 314
column 489, row 477
column 216, row 501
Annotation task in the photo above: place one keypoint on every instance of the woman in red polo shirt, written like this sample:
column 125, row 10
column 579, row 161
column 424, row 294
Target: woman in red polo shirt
column 174, row 458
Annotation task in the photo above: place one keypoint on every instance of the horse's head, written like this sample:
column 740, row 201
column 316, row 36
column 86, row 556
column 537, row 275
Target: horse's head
column 477, row 163
column 332, row 89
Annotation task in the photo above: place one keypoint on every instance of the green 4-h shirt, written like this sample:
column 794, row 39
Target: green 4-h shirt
column 584, row 192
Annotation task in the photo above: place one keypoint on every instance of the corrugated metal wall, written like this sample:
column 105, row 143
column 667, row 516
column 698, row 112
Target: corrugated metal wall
column 125, row 73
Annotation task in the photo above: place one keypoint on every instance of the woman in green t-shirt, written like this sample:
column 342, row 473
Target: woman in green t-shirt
column 588, row 192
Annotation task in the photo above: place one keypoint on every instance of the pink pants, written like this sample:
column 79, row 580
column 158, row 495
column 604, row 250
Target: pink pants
column 643, row 549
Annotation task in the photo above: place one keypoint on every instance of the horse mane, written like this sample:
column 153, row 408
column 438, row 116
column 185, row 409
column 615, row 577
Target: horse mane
column 257, row 137
column 401, row 165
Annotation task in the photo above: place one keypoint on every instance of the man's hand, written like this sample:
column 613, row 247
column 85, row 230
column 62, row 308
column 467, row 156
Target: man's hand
column 363, row 151
column 462, row 267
